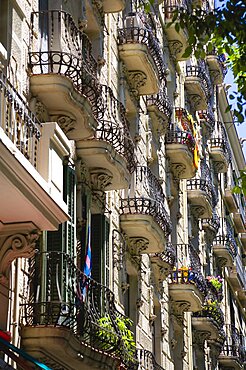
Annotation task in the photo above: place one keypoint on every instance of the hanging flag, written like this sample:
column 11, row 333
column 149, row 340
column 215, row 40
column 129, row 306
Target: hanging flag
column 87, row 265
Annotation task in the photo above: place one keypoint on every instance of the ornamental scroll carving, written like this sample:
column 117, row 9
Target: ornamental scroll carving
column 16, row 246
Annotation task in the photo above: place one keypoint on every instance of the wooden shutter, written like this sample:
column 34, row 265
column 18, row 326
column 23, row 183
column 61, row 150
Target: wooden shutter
column 100, row 248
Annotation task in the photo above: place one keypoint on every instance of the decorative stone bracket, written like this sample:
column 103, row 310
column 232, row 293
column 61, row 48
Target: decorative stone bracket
column 16, row 246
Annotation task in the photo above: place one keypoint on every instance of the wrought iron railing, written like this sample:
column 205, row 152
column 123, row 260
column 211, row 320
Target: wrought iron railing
column 142, row 35
column 213, row 223
column 198, row 71
column 162, row 102
column 60, row 295
column 147, row 360
column 18, row 122
column 181, row 137
column 65, row 51
column 234, row 345
column 186, row 275
column 152, row 199
column 208, row 117
column 168, row 256
column 170, row 7
column 203, row 185
column 213, row 294
column 221, row 60
column 228, row 242
column 113, row 126
column 58, row 32
column 149, row 207
column 214, row 312
column 223, row 144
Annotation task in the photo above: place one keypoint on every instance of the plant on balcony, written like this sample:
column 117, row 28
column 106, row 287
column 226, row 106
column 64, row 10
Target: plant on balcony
column 216, row 282
column 108, row 332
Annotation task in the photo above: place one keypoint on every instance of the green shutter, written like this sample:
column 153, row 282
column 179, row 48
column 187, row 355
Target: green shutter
column 100, row 248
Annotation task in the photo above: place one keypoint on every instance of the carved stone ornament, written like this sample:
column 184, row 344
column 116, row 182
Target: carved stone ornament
column 175, row 47
column 199, row 337
column 197, row 211
column 16, row 246
column 215, row 76
column 66, row 123
column 195, row 100
column 137, row 245
column 136, row 79
column 41, row 112
column 100, row 179
column 178, row 169
column 179, row 307
column 219, row 166
column 221, row 261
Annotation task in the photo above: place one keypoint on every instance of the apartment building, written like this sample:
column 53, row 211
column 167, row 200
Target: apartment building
column 122, row 244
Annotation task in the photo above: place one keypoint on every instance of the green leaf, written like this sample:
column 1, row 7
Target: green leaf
column 177, row 27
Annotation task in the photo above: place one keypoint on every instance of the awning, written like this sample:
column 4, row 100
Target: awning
column 23, row 359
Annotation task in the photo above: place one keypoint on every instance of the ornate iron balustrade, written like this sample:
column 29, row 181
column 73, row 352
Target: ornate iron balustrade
column 212, row 293
column 215, row 313
column 234, row 345
column 113, row 126
column 200, row 72
column 186, row 275
column 168, row 256
column 203, row 185
column 181, row 137
column 170, row 7
column 162, row 102
column 145, row 177
column 147, row 360
column 208, row 116
column 223, row 144
column 213, row 223
column 149, row 207
column 18, row 122
column 221, row 59
column 142, row 35
column 70, row 299
column 59, row 33
column 65, row 51
column 229, row 242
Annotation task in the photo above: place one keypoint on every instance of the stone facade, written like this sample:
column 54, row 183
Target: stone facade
column 117, row 152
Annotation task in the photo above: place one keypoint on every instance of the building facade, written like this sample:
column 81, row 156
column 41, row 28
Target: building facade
column 122, row 244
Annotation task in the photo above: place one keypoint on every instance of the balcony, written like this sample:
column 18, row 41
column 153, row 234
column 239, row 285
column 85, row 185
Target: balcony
column 22, row 187
column 110, row 150
column 211, row 225
column 225, row 249
column 221, row 154
column 217, row 67
column 239, row 216
column 140, row 50
column 144, row 216
column 68, row 325
column 233, row 354
column 236, row 275
column 163, row 263
column 180, row 150
column 210, row 319
column 177, row 39
column 187, row 289
column 147, row 360
column 160, row 110
column 207, row 119
column 115, row 6
column 230, row 200
column 63, row 73
column 200, row 197
column 198, row 86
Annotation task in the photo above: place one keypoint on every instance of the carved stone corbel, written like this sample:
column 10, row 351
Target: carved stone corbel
column 16, row 246
column 179, row 307
column 199, row 337
column 66, row 123
column 100, row 179
column 178, row 169
column 195, row 100
column 175, row 47
column 136, row 79
column 197, row 211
